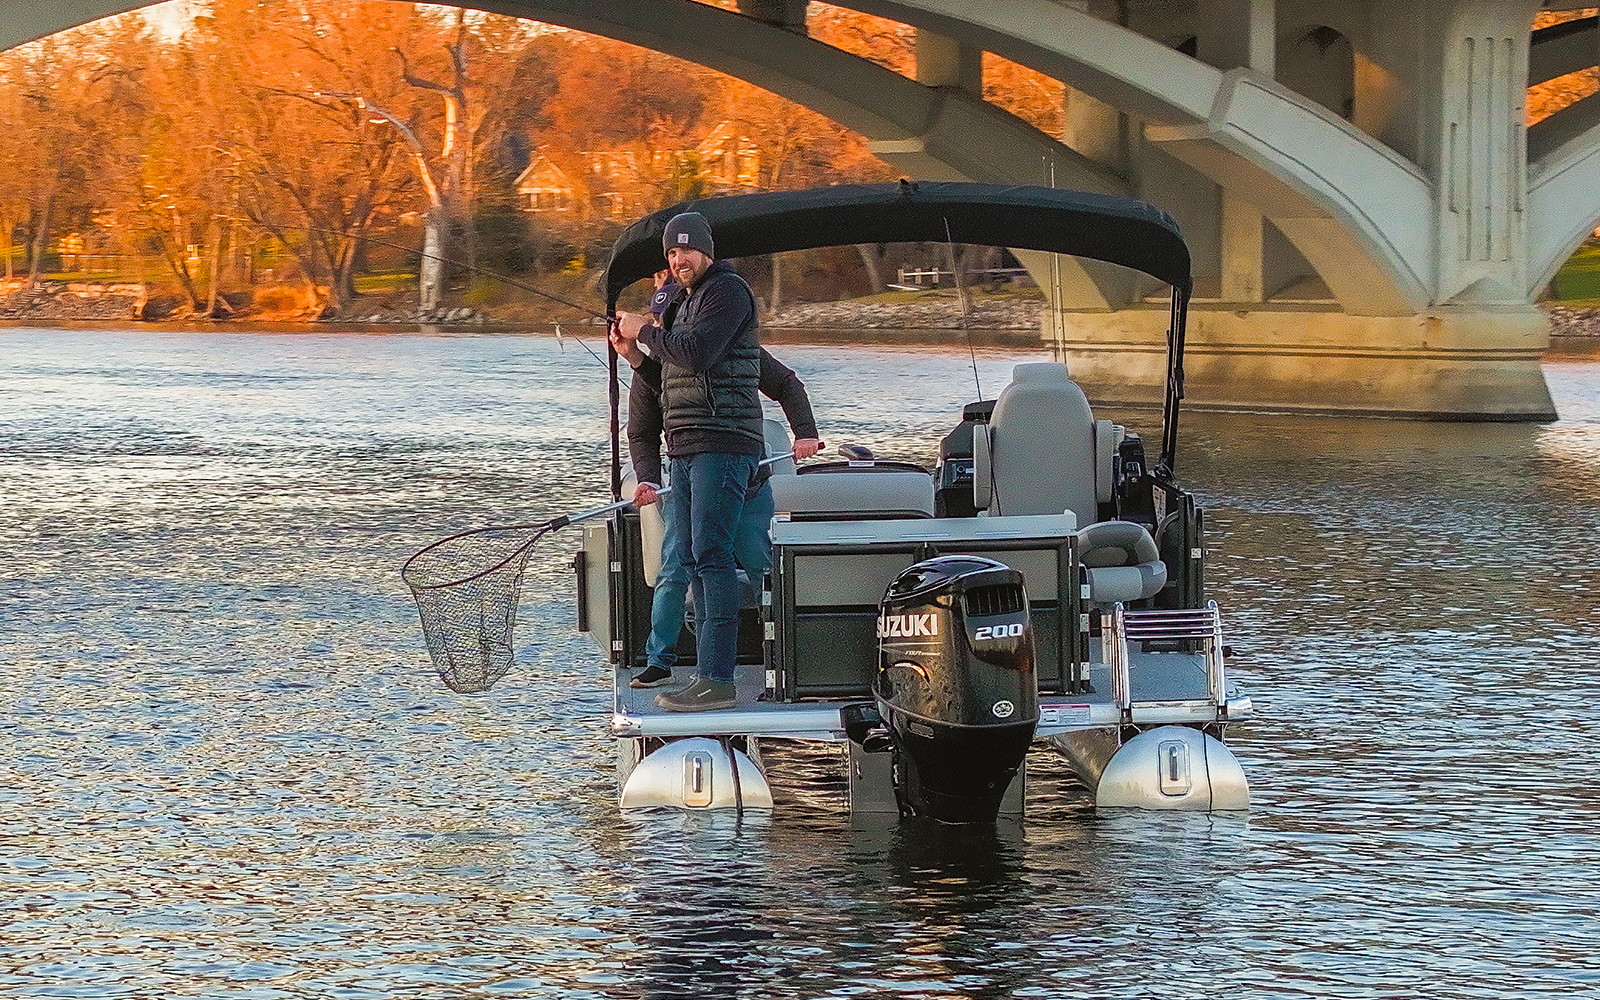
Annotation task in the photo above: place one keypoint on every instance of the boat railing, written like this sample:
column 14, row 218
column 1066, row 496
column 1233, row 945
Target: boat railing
column 1180, row 628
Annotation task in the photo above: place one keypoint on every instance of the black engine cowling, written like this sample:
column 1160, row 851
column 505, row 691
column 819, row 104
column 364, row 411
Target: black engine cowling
column 956, row 686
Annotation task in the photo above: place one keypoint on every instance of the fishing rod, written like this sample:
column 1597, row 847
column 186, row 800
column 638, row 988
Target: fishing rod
column 476, row 269
column 961, row 295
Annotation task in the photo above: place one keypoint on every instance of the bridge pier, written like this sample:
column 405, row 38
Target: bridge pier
column 1449, row 363
column 1358, row 203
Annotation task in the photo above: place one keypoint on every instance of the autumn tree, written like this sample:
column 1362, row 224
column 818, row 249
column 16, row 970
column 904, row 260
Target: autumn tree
column 316, row 169
column 636, row 107
column 15, row 162
column 58, row 85
column 796, row 147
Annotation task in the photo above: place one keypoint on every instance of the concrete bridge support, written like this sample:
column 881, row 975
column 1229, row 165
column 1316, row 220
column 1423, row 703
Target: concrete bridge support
column 1299, row 308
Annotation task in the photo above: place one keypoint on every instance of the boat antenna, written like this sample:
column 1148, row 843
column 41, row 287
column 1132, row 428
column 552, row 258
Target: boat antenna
column 961, row 294
column 1055, row 287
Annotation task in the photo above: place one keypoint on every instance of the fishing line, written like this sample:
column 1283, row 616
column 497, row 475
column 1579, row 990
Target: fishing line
column 961, row 295
column 560, row 337
column 955, row 272
column 441, row 259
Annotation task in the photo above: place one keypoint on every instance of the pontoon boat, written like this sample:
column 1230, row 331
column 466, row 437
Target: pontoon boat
column 1039, row 585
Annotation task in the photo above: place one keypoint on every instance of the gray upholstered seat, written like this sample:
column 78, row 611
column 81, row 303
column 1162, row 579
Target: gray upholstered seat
column 1120, row 562
column 1037, row 454
column 1043, row 452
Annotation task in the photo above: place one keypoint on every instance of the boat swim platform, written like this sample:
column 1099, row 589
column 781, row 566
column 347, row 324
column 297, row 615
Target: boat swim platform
column 1168, row 689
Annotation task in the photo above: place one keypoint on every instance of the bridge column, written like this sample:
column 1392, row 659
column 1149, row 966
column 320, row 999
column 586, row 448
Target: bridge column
column 1425, row 246
column 945, row 62
column 1240, row 33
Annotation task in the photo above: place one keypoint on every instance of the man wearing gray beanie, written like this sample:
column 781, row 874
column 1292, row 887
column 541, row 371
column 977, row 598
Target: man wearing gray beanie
column 709, row 348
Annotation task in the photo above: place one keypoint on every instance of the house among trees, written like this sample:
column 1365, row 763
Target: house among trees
column 617, row 185
column 544, row 187
column 729, row 161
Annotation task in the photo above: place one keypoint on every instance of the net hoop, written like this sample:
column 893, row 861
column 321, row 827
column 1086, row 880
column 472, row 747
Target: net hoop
column 466, row 588
column 413, row 567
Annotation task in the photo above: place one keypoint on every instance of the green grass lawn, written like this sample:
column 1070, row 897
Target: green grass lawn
column 1578, row 281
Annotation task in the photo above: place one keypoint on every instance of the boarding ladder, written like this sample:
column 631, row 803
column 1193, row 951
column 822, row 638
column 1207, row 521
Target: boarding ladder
column 1176, row 630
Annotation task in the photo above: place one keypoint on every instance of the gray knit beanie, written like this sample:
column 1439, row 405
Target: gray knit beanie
column 689, row 229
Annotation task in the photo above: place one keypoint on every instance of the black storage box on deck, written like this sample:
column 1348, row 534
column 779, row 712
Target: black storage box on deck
column 828, row 578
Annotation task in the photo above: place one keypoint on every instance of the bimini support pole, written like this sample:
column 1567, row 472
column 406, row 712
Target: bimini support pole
column 616, row 407
column 1169, row 416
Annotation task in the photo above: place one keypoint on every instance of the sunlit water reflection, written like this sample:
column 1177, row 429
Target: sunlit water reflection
column 227, row 770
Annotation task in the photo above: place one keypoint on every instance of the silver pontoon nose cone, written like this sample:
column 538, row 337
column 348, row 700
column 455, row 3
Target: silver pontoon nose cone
column 1174, row 767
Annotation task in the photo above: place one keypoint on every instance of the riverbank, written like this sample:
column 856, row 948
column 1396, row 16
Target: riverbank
column 1571, row 323
column 1000, row 316
column 61, row 301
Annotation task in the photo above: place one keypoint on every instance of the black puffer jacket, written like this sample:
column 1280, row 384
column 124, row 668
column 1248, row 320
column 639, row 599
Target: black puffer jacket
column 711, row 367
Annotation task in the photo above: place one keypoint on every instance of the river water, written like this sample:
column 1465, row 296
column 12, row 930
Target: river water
column 228, row 771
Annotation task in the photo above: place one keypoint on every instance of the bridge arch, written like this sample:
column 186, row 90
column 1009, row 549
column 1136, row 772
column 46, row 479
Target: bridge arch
column 1406, row 222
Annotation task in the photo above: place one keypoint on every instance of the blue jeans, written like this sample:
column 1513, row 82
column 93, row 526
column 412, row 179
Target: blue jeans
column 712, row 522
column 752, row 550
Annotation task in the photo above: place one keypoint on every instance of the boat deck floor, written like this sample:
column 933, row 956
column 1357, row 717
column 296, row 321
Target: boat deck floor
column 1176, row 681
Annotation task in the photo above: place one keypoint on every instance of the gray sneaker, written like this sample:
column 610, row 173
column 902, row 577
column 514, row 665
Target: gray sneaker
column 700, row 696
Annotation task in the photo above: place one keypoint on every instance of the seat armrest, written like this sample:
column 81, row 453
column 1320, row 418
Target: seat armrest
column 1105, row 445
column 1109, row 584
column 982, row 472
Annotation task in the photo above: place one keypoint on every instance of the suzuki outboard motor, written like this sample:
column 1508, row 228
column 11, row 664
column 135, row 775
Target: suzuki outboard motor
column 956, row 685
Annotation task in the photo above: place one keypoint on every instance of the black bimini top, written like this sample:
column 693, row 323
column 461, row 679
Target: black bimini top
column 1101, row 227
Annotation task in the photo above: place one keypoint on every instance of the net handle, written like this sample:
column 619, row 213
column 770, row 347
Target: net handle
column 539, row 531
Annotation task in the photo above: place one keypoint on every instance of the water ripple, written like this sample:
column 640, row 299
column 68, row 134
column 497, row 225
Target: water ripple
column 230, row 772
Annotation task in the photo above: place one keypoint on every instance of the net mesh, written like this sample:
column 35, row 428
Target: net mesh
column 466, row 587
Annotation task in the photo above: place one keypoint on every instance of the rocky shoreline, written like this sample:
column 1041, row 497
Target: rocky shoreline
column 67, row 302
column 1574, row 323
column 60, row 301
column 927, row 314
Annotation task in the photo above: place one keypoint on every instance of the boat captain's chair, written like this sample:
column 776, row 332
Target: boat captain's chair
column 1043, row 452
column 652, row 528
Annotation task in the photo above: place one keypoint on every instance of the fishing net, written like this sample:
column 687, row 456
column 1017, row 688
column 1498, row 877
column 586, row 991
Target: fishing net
column 466, row 587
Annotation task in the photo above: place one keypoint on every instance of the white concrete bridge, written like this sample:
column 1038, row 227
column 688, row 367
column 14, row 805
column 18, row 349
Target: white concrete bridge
column 1371, row 219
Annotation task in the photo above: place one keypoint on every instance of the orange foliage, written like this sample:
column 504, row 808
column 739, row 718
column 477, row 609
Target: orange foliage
column 1547, row 98
column 1037, row 99
column 890, row 44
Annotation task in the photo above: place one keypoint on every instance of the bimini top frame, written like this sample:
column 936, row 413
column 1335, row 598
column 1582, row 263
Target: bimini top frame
column 1078, row 223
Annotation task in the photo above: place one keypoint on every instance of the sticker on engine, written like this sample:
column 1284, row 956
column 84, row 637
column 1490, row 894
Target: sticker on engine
column 903, row 626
